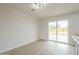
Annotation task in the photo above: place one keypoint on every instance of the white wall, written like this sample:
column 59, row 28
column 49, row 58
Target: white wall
column 16, row 28
column 73, row 25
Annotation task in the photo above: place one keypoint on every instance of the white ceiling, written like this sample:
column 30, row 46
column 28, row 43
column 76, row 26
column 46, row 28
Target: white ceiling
column 52, row 9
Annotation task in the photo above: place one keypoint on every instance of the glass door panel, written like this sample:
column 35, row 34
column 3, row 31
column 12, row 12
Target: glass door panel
column 52, row 31
column 62, row 31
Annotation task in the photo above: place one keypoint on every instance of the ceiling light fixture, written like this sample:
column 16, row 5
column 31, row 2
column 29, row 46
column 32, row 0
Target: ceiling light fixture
column 38, row 6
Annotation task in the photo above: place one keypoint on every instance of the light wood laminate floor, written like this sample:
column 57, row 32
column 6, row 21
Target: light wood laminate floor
column 42, row 47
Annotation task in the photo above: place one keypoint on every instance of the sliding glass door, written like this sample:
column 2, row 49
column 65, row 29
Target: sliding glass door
column 58, row 31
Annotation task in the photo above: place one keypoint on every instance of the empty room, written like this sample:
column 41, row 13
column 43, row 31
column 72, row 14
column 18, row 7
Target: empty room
column 39, row 28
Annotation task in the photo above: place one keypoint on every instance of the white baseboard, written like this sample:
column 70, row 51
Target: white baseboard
column 17, row 46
